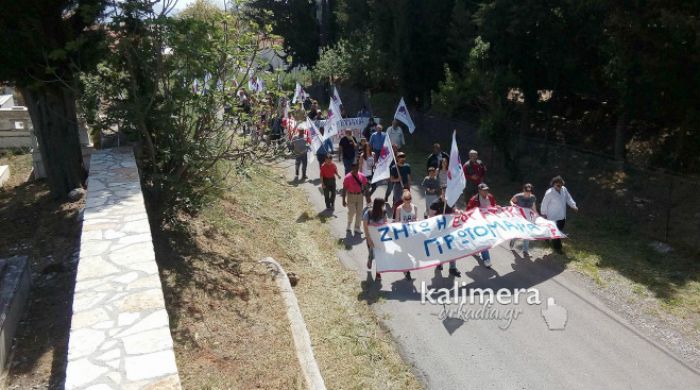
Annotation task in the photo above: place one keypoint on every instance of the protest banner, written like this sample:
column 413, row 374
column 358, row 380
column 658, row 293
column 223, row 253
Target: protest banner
column 354, row 124
column 400, row 247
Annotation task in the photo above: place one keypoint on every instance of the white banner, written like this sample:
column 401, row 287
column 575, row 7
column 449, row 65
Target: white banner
column 427, row 243
column 357, row 125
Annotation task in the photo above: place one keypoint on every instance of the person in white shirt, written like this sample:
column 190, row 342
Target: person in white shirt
column 554, row 206
column 395, row 133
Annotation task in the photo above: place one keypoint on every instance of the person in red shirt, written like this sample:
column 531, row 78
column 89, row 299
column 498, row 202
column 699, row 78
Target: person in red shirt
column 329, row 171
column 354, row 185
column 483, row 199
column 474, row 171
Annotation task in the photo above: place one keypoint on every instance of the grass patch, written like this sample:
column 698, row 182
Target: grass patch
column 214, row 262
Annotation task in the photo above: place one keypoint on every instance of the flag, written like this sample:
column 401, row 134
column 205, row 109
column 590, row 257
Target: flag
column 255, row 84
column 383, row 164
column 299, row 94
column 455, row 175
column 316, row 139
column 336, row 97
column 403, row 116
column 333, row 119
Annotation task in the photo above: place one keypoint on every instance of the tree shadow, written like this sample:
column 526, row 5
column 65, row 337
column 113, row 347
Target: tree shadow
column 47, row 230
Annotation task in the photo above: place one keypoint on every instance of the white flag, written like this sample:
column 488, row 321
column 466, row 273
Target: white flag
column 455, row 175
column 315, row 137
column 336, row 98
column 299, row 94
column 383, row 164
column 334, row 117
column 255, row 84
column 403, row 115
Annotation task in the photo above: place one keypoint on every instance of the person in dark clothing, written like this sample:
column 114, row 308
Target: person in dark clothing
column 347, row 150
column 436, row 157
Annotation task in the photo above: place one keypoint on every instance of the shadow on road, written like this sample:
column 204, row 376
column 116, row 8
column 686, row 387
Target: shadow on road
column 525, row 274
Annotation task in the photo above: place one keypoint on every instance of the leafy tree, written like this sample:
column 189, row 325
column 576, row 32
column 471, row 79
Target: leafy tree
column 45, row 45
column 295, row 21
column 171, row 84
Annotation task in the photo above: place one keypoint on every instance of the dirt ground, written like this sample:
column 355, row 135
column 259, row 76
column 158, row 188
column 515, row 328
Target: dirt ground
column 47, row 231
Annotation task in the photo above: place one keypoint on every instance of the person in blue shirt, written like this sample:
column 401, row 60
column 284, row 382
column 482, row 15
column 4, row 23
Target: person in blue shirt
column 376, row 141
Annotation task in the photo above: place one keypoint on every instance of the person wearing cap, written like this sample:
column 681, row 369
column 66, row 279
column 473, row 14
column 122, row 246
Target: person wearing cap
column 395, row 134
column 400, row 174
column 553, row 207
column 329, row 171
column 353, row 188
column 347, row 150
column 474, row 172
column 483, row 199
column 431, row 184
column 440, row 207
column 526, row 200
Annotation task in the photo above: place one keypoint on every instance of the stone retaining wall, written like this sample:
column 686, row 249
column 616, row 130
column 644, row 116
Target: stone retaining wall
column 120, row 334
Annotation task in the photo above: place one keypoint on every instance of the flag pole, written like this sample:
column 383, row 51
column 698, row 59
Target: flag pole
column 391, row 149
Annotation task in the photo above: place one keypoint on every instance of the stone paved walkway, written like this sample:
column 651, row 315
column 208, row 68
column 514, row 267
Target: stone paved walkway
column 120, row 336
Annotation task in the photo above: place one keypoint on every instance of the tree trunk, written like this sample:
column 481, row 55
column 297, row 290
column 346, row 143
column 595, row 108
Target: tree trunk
column 53, row 114
column 620, row 130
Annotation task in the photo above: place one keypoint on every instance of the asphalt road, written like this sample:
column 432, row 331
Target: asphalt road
column 597, row 349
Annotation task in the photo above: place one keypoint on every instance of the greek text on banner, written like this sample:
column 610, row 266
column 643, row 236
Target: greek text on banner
column 430, row 242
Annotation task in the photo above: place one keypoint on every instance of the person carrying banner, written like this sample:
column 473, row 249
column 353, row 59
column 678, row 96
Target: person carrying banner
column 346, row 150
column 395, row 134
column 392, row 166
column 300, row 146
column 354, row 185
column 406, row 213
column 483, row 199
column 431, row 184
column 436, row 157
column 440, row 207
column 554, row 205
column 474, row 171
column 329, row 171
column 526, row 200
column 376, row 214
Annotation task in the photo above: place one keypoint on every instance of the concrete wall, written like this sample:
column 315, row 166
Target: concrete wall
column 120, row 334
column 14, row 291
column 15, row 128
